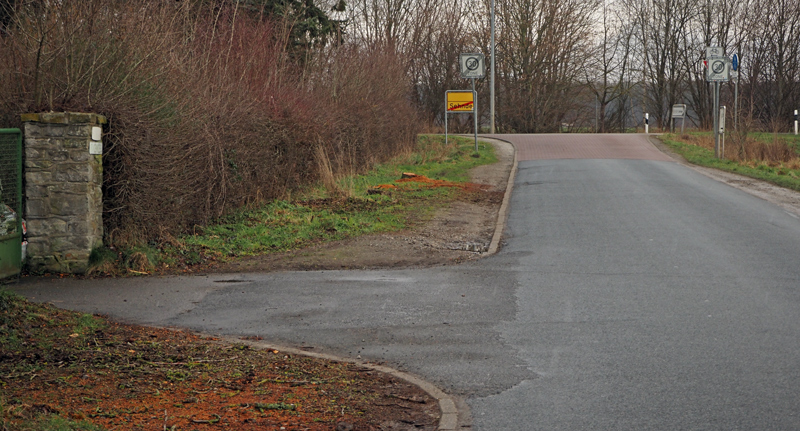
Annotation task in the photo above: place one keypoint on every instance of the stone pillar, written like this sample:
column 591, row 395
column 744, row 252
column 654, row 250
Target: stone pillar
column 63, row 180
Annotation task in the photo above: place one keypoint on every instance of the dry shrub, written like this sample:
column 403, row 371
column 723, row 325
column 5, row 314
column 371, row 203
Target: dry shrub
column 208, row 109
column 703, row 141
column 327, row 177
column 139, row 262
column 742, row 147
column 774, row 153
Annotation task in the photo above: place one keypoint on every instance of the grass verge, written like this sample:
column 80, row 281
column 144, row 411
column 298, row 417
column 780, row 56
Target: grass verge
column 348, row 207
column 61, row 370
column 698, row 148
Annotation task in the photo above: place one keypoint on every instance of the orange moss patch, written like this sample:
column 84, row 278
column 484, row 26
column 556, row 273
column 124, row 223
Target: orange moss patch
column 128, row 377
column 431, row 183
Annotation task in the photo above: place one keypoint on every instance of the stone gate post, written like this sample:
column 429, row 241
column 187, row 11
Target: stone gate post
column 63, row 180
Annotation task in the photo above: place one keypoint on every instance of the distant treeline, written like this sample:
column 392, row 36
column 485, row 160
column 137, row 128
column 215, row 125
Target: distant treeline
column 556, row 60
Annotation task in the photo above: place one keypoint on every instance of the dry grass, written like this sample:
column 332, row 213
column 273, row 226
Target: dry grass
column 749, row 150
column 325, row 171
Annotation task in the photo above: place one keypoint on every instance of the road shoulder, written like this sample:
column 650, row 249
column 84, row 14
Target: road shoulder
column 787, row 199
column 464, row 231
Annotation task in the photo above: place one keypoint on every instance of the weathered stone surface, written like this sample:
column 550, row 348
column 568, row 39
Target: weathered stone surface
column 97, row 166
column 79, row 156
column 80, row 242
column 32, row 131
column 81, row 118
column 57, row 155
column 63, row 118
column 35, row 208
column 69, row 204
column 78, row 131
column 27, row 118
column 38, row 164
column 77, row 188
column 53, row 117
column 53, row 130
column 78, row 144
column 60, row 244
column 38, row 227
column 40, row 145
column 72, row 172
column 39, row 177
column 63, row 187
column 78, row 229
column 36, row 192
column 42, row 262
column 33, row 153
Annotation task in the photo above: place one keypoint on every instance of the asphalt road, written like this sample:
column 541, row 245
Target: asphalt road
column 632, row 294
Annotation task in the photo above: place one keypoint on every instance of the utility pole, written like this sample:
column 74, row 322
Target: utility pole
column 491, row 72
column 735, row 76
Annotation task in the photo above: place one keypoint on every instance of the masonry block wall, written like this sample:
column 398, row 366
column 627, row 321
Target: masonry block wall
column 63, row 180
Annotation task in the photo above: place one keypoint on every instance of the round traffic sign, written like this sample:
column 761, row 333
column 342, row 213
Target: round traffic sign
column 735, row 62
column 472, row 65
column 718, row 66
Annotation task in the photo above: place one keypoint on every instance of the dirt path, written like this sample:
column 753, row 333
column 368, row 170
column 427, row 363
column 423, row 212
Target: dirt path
column 459, row 233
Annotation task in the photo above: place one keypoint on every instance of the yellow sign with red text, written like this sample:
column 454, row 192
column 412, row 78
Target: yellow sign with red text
column 460, row 101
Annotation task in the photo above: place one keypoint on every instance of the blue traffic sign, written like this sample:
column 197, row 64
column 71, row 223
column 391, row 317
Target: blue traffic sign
column 735, row 62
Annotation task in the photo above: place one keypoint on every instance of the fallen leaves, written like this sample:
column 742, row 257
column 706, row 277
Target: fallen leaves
column 128, row 377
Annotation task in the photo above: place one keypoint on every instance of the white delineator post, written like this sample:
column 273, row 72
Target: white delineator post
column 646, row 123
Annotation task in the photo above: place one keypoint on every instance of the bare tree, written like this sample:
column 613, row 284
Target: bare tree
column 607, row 72
column 663, row 26
column 713, row 25
column 772, row 61
column 542, row 45
column 554, row 57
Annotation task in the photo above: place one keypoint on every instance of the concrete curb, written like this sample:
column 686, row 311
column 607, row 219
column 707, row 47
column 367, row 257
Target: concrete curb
column 447, row 405
column 502, row 215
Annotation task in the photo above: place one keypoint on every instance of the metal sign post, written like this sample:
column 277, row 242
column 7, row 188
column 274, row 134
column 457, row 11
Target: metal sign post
column 715, row 112
column 461, row 102
column 735, row 75
column 473, row 66
column 475, row 115
column 491, row 77
column 678, row 111
column 721, row 131
column 719, row 70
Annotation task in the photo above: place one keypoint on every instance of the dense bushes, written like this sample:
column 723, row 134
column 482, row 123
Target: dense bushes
column 211, row 105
